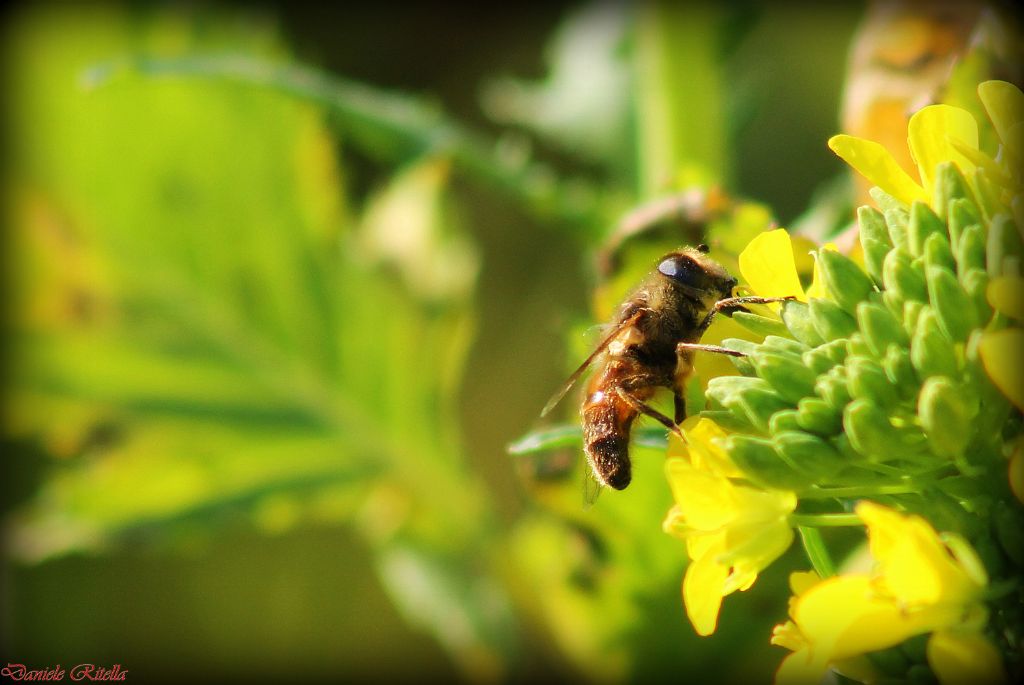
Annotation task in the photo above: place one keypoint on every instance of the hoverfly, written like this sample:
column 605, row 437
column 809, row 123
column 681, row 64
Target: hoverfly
column 650, row 344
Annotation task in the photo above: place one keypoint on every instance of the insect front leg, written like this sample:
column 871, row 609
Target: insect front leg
column 730, row 302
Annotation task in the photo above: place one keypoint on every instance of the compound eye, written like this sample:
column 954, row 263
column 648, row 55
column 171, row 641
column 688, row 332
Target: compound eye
column 681, row 269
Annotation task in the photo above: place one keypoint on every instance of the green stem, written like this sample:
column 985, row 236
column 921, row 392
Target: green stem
column 825, row 520
column 818, row 554
column 859, row 491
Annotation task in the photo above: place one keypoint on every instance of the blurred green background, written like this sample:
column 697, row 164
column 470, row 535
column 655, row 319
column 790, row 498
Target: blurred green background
column 285, row 281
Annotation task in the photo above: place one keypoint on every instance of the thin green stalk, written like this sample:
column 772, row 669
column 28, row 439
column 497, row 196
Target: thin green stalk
column 857, row 491
column 817, row 553
column 825, row 520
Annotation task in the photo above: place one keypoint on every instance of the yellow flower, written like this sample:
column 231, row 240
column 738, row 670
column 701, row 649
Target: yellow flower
column 768, row 266
column 921, row 583
column 1004, row 362
column 732, row 532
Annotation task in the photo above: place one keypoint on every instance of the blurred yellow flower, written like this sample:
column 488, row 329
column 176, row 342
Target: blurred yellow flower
column 732, row 532
column 940, row 133
column 965, row 658
column 935, row 134
column 920, row 583
column 1004, row 363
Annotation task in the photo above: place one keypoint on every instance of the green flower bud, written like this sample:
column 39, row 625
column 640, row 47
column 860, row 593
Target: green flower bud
column 728, row 420
column 970, row 251
column 818, row 363
column 900, row 276
column 845, row 282
column 894, row 302
column 784, row 345
column 937, row 252
column 841, row 443
column 962, row 213
column 742, row 364
column 897, row 219
column 759, row 406
column 835, row 350
column 788, row 375
column 873, row 435
column 911, row 312
column 987, row 196
column 868, row 381
column 833, row 387
column 874, row 239
column 951, row 304
column 923, row 225
column 1003, row 241
column 856, row 345
column 825, row 357
column 945, row 416
column 830, row 321
column 900, row 371
column 879, row 328
column 950, row 186
column 931, row 350
column 761, row 325
column 797, row 317
column 760, row 462
column 784, row 420
column 808, row 453
column 975, row 283
column 818, row 416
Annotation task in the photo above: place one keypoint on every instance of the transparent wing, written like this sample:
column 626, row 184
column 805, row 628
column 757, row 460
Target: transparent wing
column 571, row 381
column 591, row 487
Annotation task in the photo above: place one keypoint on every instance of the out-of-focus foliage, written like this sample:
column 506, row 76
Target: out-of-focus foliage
column 203, row 329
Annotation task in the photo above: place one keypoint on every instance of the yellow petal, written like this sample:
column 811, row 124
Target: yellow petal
column 802, row 581
column 914, row 563
column 1005, row 106
column 768, row 266
column 979, row 158
column 705, row 453
column 702, row 592
column 800, row 668
column 788, row 635
column 1002, row 353
column 964, row 658
column 1006, row 294
column 842, row 617
column 930, row 133
column 703, row 499
column 875, row 163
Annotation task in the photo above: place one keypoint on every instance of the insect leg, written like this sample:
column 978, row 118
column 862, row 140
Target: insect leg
column 680, row 406
column 648, row 410
column 731, row 302
column 698, row 347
